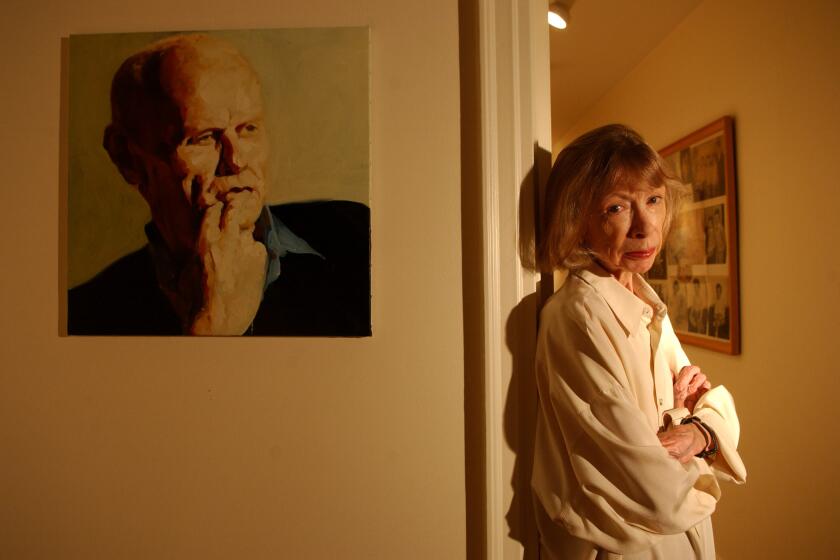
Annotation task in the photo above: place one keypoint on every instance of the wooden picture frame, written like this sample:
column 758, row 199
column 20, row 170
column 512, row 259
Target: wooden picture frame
column 696, row 272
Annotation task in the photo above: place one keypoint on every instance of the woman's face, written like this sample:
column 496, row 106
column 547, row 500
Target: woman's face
column 625, row 231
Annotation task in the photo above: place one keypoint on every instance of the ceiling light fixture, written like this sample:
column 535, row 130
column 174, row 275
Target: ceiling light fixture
column 558, row 15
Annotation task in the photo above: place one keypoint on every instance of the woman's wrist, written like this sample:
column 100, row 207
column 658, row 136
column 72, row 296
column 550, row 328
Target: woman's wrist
column 710, row 446
column 704, row 435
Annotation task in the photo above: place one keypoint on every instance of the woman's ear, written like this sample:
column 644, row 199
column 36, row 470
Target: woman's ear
column 116, row 143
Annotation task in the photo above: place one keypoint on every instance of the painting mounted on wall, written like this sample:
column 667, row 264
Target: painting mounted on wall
column 696, row 273
column 218, row 183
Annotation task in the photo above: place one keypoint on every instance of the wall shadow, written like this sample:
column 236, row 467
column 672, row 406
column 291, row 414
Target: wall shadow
column 521, row 328
column 520, row 423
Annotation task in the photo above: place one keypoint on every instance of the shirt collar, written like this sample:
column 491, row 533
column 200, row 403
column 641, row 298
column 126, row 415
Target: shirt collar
column 278, row 240
column 631, row 310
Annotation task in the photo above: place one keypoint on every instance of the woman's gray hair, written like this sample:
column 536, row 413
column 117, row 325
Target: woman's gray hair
column 585, row 172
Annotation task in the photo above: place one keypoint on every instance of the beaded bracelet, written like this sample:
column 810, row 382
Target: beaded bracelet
column 709, row 437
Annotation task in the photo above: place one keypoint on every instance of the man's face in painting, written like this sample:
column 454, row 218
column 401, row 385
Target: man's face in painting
column 212, row 149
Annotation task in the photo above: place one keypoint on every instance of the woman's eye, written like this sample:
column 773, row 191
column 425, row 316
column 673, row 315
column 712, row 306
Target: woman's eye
column 614, row 209
column 205, row 139
column 656, row 199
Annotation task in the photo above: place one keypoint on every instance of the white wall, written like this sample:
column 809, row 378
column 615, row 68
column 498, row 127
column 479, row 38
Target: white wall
column 228, row 448
column 773, row 66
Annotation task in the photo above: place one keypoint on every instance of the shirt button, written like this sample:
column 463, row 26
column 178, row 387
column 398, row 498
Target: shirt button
column 660, row 401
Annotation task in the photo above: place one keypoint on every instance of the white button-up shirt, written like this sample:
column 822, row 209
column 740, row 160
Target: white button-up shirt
column 605, row 486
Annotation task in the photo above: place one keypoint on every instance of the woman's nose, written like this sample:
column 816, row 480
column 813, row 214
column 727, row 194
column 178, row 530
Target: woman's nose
column 230, row 156
column 642, row 226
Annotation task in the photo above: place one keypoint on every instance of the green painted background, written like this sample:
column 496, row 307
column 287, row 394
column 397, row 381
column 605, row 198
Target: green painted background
column 315, row 86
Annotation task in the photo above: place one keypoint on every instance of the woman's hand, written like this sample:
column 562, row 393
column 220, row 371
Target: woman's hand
column 683, row 442
column 689, row 385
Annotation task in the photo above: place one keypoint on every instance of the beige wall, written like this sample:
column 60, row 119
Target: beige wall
column 773, row 66
column 230, row 448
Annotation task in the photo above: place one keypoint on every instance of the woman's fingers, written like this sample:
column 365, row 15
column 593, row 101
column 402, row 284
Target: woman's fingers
column 696, row 382
column 690, row 379
column 689, row 385
column 681, row 383
column 684, row 377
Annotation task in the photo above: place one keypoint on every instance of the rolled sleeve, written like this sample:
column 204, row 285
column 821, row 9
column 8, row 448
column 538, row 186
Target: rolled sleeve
column 717, row 409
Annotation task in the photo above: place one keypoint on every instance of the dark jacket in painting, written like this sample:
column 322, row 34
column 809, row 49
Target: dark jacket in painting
column 315, row 295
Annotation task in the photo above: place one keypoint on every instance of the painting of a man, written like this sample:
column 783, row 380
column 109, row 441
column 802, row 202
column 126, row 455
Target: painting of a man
column 188, row 131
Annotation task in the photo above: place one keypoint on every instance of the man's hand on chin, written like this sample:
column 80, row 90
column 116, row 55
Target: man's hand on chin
column 233, row 266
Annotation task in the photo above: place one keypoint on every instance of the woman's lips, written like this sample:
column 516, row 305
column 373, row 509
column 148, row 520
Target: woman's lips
column 640, row 255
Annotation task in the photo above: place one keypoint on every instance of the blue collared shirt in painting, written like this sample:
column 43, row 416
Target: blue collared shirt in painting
column 278, row 240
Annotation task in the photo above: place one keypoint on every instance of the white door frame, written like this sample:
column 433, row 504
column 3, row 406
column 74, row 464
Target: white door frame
column 515, row 123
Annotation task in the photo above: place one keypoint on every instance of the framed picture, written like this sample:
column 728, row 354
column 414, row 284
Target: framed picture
column 696, row 273
column 218, row 183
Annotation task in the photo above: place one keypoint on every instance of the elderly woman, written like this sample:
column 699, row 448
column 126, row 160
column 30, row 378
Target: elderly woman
column 631, row 439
